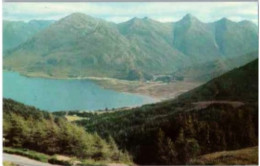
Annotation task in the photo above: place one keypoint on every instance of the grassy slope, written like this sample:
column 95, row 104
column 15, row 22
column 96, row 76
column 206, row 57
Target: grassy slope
column 246, row 156
column 239, row 84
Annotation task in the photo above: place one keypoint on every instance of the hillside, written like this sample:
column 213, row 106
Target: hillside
column 240, row 84
column 246, row 156
column 133, row 50
column 199, row 122
column 17, row 32
column 53, row 135
column 206, row 71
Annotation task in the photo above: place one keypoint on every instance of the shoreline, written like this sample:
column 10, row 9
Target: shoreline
column 157, row 91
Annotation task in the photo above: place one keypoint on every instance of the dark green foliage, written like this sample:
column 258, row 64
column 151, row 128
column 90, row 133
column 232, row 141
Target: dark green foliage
column 27, row 127
column 240, row 84
column 185, row 128
column 134, row 75
column 166, row 149
column 53, row 160
column 187, row 134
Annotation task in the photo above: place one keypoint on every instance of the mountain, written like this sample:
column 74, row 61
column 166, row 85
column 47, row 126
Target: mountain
column 79, row 46
column 219, row 115
column 235, row 39
column 206, row 71
column 17, row 32
column 195, row 39
column 240, row 84
column 152, row 42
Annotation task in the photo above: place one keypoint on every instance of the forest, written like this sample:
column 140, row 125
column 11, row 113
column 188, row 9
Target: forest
column 28, row 127
column 176, row 131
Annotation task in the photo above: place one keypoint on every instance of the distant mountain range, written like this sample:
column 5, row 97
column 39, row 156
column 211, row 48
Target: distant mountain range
column 79, row 46
column 17, row 32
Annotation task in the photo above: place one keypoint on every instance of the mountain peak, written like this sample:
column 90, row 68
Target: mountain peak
column 136, row 21
column 189, row 18
column 224, row 19
column 76, row 19
column 77, row 14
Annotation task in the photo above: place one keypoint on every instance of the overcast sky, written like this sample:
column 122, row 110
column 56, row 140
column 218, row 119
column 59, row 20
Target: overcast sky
column 119, row 12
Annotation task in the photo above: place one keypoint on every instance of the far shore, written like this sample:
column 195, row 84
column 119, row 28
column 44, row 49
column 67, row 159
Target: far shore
column 159, row 91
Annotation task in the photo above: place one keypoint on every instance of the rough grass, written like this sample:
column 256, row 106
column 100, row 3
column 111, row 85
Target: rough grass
column 36, row 156
column 56, row 159
column 247, row 156
column 72, row 118
column 7, row 163
column 28, row 153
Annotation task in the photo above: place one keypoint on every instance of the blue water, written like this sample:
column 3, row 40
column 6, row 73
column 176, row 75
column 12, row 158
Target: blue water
column 55, row 95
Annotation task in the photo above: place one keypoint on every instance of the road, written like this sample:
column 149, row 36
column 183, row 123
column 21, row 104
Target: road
column 23, row 161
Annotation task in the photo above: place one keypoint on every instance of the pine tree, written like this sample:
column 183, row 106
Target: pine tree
column 113, row 148
column 166, row 150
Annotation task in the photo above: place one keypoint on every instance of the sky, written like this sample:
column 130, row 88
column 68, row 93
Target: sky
column 122, row 11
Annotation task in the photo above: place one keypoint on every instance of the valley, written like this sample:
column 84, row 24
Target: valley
column 83, row 91
column 175, row 131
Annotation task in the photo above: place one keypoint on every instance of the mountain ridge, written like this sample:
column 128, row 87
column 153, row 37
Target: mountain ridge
column 138, row 48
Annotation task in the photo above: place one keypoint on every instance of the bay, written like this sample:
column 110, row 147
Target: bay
column 63, row 94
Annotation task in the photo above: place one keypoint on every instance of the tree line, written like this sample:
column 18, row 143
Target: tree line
column 27, row 127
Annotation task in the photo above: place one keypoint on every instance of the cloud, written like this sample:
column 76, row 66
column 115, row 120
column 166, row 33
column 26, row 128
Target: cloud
column 119, row 12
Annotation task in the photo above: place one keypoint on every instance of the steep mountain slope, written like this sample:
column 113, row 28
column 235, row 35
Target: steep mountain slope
column 219, row 115
column 206, row 71
column 195, row 39
column 17, row 32
column 240, row 84
column 152, row 41
column 234, row 39
column 79, row 46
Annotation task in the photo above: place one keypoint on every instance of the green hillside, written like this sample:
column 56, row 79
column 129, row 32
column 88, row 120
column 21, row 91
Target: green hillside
column 206, row 71
column 246, row 156
column 219, row 115
column 25, row 127
column 240, row 84
column 17, row 32
column 80, row 45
